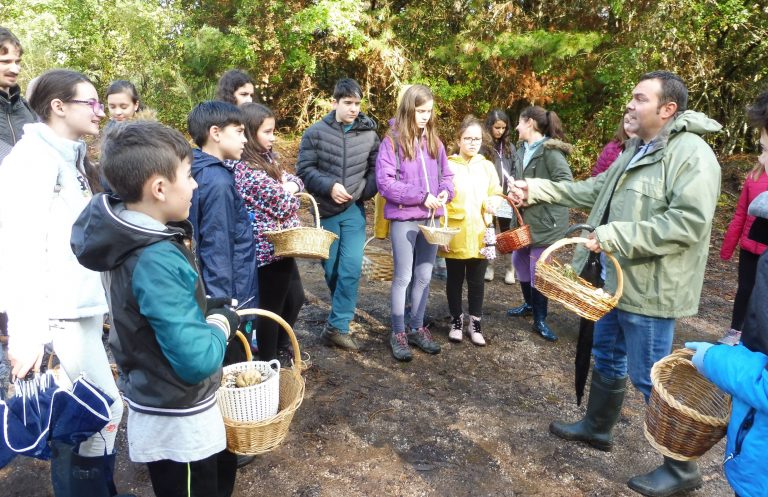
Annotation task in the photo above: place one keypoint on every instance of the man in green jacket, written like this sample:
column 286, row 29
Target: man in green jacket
column 653, row 210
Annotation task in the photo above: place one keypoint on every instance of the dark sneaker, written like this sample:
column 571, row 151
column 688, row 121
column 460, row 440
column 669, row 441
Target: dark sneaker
column 334, row 336
column 400, row 349
column 422, row 339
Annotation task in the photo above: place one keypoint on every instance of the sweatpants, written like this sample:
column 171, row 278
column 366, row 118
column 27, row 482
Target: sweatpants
column 283, row 294
column 413, row 257
column 213, row 476
column 473, row 270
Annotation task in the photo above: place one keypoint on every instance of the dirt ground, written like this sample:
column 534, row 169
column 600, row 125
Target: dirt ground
column 470, row 421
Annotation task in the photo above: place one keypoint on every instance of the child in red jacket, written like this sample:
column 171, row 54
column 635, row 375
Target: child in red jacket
column 755, row 183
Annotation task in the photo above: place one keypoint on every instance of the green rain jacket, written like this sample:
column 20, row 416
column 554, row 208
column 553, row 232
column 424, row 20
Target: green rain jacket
column 660, row 216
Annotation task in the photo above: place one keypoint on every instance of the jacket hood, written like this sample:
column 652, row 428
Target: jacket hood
column 102, row 241
column 70, row 151
column 457, row 158
column 695, row 122
column 560, row 145
column 201, row 160
column 361, row 122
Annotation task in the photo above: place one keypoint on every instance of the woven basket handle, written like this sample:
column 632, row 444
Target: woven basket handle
column 432, row 225
column 572, row 241
column 314, row 206
column 297, row 362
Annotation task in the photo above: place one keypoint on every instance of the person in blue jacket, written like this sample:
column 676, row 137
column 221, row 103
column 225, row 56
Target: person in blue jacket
column 742, row 370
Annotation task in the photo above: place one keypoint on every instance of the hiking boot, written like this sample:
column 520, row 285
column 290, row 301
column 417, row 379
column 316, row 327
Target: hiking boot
column 457, row 329
column 606, row 395
column 474, row 332
column 489, row 273
column 731, row 337
column 400, row 349
column 334, row 336
column 670, row 478
column 422, row 339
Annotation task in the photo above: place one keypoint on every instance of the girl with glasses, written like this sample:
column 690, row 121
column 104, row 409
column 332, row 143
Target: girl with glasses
column 471, row 210
column 52, row 298
column 543, row 155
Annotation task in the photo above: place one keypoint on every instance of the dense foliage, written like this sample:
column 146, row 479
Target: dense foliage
column 578, row 57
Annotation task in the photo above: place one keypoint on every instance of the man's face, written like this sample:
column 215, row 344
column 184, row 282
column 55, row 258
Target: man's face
column 347, row 109
column 645, row 115
column 10, row 66
column 232, row 141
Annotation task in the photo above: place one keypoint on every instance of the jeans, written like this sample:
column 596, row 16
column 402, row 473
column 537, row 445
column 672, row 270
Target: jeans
column 625, row 342
column 413, row 257
column 345, row 260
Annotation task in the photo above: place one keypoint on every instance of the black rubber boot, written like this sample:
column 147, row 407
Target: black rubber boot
column 73, row 475
column 670, row 478
column 525, row 308
column 539, row 303
column 606, row 395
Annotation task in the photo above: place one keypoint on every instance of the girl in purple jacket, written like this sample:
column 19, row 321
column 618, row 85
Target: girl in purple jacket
column 412, row 174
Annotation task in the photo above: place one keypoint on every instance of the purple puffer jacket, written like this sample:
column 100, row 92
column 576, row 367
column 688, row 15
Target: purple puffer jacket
column 406, row 196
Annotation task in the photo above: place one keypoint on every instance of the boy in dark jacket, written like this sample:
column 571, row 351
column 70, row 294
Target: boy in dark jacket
column 167, row 340
column 337, row 161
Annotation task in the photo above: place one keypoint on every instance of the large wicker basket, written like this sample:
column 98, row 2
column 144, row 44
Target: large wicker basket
column 687, row 414
column 303, row 241
column 515, row 238
column 576, row 294
column 252, row 438
column 378, row 263
column 436, row 234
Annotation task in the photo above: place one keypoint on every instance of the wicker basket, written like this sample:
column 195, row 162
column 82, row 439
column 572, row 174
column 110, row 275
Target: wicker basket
column 577, row 295
column 687, row 414
column 378, row 263
column 438, row 235
column 252, row 438
column 253, row 403
column 303, row 241
column 515, row 238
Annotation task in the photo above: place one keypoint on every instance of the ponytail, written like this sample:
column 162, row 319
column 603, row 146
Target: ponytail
column 545, row 122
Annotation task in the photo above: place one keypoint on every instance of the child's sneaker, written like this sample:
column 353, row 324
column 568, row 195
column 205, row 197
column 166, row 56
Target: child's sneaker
column 422, row 339
column 400, row 349
column 475, row 333
column 457, row 329
column 731, row 337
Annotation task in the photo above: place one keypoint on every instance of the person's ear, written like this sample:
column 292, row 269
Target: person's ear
column 157, row 188
column 334, row 103
column 214, row 133
column 668, row 110
column 57, row 107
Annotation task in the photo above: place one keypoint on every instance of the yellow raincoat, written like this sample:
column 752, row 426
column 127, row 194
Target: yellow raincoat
column 475, row 182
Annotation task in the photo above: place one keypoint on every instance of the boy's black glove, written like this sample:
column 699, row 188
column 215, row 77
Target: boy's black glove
column 222, row 316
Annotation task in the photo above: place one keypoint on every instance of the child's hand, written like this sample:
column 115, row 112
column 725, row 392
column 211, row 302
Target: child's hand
column 442, row 197
column 698, row 358
column 432, row 202
column 290, row 187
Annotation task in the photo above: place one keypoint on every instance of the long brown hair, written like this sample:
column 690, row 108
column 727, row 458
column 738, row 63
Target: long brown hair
column 545, row 122
column 405, row 131
column 254, row 155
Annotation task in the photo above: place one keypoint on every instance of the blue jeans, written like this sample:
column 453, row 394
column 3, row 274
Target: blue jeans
column 342, row 269
column 625, row 342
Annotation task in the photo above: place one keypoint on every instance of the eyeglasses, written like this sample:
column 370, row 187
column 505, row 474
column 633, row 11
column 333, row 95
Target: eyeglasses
column 469, row 139
column 96, row 106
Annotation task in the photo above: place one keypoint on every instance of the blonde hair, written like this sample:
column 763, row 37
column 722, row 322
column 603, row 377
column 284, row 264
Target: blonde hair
column 405, row 132
column 755, row 173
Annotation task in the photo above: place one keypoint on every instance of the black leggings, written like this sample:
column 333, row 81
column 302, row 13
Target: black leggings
column 280, row 291
column 747, row 270
column 474, row 272
column 213, row 476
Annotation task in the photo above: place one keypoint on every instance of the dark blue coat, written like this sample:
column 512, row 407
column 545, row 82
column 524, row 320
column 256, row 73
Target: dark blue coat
column 222, row 231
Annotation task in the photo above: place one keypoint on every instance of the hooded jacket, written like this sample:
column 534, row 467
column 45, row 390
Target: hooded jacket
column 43, row 190
column 329, row 155
column 659, row 218
column 547, row 222
column 15, row 112
column 738, row 229
column 475, row 181
column 169, row 357
column 406, row 188
column 222, row 231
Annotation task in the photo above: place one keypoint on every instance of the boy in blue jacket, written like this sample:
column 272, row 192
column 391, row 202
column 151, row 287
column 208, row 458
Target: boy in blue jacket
column 167, row 340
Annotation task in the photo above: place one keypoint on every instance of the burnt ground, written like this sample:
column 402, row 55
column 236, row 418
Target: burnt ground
column 468, row 422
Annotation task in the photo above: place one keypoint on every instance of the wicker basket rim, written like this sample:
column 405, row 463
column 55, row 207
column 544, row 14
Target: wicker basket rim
column 297, row 362
column 288, row 410
column 274, row 375
column 316, row 212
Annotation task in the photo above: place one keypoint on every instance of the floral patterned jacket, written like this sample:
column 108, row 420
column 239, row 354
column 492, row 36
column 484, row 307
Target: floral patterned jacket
column 269, row 206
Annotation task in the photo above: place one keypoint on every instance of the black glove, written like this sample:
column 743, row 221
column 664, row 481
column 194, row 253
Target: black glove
column 218, row 313
column 212, row 303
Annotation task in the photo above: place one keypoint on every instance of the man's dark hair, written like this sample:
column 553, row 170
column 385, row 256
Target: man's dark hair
column 347, row 88
column 229, row 82
column 133, row 152
column 7, row 37
column 757, row 113
column 211, row 113
column 673, row 88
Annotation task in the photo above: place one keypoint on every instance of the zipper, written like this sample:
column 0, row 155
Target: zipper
column 10, row 126
column 746, row 425
column 344, row 155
